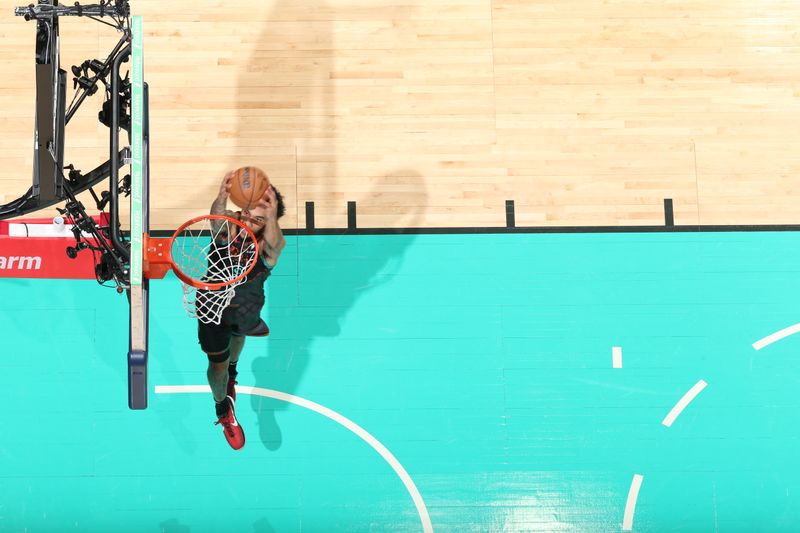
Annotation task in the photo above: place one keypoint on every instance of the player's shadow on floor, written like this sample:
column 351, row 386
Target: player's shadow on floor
column 351, row 272
column 173, row 526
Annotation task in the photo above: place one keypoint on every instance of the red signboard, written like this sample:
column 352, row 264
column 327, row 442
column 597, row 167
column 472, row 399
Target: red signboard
column 42, row 256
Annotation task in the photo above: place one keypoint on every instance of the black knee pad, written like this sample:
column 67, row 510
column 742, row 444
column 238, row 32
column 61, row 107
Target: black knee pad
column 219, row 357
column 214, row 337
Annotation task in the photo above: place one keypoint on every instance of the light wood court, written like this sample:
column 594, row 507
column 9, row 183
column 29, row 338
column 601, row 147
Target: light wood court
column 435, row 112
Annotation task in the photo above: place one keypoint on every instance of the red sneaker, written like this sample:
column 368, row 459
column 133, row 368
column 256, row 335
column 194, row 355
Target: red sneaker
column 232, row 388
column 234, row 433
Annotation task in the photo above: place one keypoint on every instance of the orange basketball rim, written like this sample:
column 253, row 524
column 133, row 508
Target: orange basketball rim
column 194, row 253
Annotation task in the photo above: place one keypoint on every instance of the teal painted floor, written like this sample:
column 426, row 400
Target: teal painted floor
column 483, row 364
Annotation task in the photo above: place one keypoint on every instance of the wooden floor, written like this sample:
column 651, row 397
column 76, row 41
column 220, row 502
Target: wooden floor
column 435, row 112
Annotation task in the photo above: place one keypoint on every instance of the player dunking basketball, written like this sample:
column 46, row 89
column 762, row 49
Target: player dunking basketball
column 223, row 342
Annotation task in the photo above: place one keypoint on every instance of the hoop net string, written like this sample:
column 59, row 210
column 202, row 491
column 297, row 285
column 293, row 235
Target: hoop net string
column 213, row 251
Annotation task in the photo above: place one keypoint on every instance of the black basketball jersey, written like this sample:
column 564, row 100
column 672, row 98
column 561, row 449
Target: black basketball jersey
column 252, row 289
column 227, row 257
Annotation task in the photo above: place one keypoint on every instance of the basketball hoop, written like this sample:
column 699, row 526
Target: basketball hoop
column 211, row 255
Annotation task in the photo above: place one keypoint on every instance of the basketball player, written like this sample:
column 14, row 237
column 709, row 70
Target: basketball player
column 223, row 343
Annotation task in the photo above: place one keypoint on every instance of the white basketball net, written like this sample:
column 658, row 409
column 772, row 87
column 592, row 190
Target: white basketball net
column 218, row 259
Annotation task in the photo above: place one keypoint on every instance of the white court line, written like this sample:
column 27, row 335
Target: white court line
column 775, row 337
column 630, row 505
column 683, row 402
column 616, row 357
column 336, row 417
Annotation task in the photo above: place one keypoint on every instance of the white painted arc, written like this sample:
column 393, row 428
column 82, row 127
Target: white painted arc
column 630, row 504
column 683, row 402
column 775, row 337
column 427, row 527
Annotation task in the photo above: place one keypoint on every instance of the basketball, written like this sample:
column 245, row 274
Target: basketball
column 248, row 186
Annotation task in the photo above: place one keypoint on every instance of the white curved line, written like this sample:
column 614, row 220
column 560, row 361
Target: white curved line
column 683, row 402
column 630, row 505
column 775, row 337
column 427, row 527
